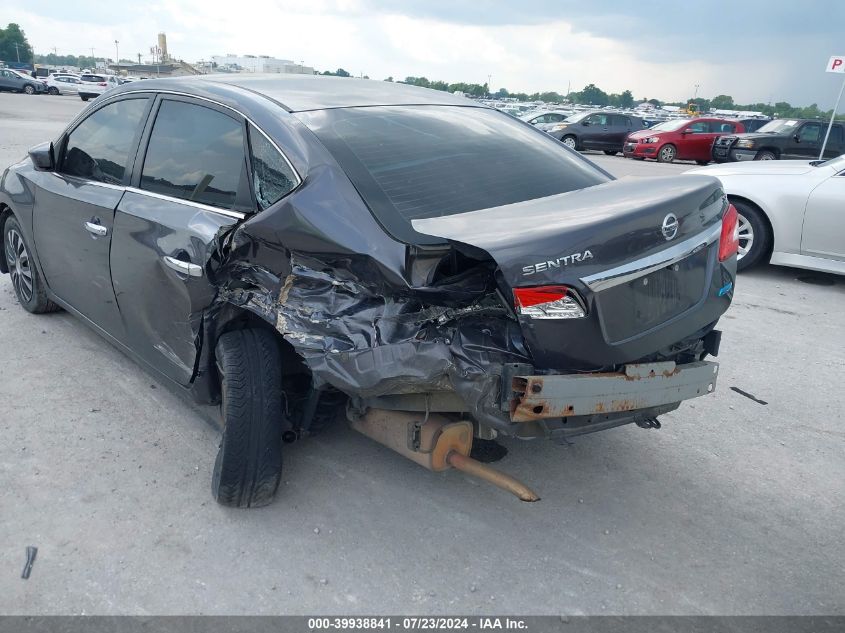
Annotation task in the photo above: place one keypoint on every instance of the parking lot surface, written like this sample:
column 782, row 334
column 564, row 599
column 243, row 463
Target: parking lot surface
column 735, row 506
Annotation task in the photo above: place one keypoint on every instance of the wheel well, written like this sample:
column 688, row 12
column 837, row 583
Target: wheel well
column 773, row 150
column 765, row 217
column 5, row 212
column 233, row 318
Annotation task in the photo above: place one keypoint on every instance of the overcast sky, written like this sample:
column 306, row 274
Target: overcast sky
column 754, row 50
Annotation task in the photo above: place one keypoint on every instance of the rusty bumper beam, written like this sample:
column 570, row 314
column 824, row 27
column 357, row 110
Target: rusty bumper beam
column 640, row 386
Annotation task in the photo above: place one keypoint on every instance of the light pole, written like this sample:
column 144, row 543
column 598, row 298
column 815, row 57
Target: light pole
column 17, row 52
column 695, row 96
column 116, row 55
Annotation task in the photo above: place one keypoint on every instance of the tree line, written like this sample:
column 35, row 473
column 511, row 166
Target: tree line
column 14, row 46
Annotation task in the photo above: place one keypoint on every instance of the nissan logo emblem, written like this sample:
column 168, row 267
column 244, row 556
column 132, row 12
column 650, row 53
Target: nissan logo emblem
column 670, row 226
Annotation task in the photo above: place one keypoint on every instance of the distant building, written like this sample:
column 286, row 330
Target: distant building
column 258, row 64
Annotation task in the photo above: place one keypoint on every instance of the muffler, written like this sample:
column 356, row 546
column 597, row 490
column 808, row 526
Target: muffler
column 435, row 442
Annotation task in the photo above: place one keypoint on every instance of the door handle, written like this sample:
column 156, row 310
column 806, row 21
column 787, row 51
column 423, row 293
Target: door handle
column 185, row 268
column 96, row 229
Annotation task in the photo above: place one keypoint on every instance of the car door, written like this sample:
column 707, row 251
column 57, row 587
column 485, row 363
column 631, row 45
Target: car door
column 696, row 140
column 824, row 220
column 74, row 207
column 189, row 188
column 835, row 143
column 806, row 142
column 593, row 131
column 619, row 127
column 7, row 80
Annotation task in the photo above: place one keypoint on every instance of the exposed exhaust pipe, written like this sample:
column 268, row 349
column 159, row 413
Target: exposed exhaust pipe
column 436, row 443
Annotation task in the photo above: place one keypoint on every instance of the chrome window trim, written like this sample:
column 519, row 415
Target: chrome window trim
column 190, row 203
column 646, row 265
column 153, row 91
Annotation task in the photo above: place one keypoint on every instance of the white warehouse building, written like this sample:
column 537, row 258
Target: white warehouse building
column 259, row 64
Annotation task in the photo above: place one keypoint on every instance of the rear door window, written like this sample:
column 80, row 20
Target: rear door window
column 99, row 148
column 272, row 176
column 197, row 154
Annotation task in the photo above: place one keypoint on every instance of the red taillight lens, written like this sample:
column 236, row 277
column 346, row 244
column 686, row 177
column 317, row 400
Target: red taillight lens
column 547, row 302
column 729, row 240
column 527, row 297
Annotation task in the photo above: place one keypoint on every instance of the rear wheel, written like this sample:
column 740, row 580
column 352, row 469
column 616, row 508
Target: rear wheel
column 666, row 154
column 755, row 236
column 702, row 162
column 765, row 155
column 53, row 90
column 29, row 89
column 569, row 141
column 29, row 289
column 249, row 462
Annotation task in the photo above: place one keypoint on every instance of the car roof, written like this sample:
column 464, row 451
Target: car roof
column 298, row 93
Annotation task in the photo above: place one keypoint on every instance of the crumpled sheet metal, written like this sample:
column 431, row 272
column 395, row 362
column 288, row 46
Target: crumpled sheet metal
column 365, row 343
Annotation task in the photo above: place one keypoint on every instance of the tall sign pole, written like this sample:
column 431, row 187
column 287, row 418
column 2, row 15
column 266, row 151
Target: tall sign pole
column 835, row 64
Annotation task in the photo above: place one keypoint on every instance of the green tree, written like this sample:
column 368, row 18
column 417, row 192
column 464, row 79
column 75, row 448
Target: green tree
column 722, row 102
column 501, row 93
column 655, row 103
column 341, row 73
column 593, row 95
column 390, row 79
column 9, row 37
column 626, row 99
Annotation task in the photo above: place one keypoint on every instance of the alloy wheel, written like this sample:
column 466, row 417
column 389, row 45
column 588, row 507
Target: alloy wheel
column 19, row 265
column 569, row 141
column 667, row 154
column 746, row 236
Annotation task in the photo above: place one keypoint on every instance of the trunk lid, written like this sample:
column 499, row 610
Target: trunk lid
column 604, row 241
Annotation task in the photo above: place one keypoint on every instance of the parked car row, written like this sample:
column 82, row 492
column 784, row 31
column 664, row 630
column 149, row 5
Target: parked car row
column 87, row 85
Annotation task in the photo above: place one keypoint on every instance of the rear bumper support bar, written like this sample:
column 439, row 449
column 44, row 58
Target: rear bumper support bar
column 640, row 386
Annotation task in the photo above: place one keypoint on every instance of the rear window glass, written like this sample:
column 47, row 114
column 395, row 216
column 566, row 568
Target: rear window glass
column 428, row 161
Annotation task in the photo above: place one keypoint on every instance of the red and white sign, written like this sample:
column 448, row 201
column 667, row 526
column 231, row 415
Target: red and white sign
column 836, row 64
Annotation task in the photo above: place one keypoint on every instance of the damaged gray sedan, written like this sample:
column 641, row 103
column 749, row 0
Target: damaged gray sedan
column 289, row 247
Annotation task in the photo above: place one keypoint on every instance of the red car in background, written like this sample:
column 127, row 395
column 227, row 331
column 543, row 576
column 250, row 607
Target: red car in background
column 679, row 139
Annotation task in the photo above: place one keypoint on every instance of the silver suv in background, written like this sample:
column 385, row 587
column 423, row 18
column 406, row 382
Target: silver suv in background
column 95, row 85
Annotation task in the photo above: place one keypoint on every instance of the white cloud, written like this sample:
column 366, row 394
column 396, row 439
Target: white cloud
column 327, row 34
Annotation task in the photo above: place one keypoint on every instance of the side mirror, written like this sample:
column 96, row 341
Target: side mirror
column 42, row 157
column 686, row 132
column 585, row 123
column 796, row 138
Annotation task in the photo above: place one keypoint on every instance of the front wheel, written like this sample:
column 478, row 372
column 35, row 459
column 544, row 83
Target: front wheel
column 702, row 162
column 249, row 462
column 667, row 154
column 569, row 141
column 610, row 152
column 29, row 289
column 29, row 89
column 765, row 155
column 755, row 237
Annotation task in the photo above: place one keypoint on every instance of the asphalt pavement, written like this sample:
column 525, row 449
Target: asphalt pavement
column 733, row 507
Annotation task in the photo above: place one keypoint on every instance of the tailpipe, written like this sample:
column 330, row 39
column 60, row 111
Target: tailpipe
column 436, row 443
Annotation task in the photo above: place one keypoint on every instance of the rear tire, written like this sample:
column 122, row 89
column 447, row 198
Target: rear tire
column 29, row 288
column 53, row 90
column 666, row 154
column 702, row 162
column 765, row 155
column 755, row 236
column 248, row 467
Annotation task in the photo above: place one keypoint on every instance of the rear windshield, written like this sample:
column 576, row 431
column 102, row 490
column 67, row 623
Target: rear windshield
column 411, row 162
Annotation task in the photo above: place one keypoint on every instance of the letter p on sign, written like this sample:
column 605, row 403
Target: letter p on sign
column 836, row 64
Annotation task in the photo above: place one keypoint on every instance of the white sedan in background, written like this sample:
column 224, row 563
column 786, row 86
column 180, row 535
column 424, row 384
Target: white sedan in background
column 791, row 212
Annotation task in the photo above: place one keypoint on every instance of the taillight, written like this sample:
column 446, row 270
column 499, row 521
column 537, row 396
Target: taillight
column 547, row 302
column 729, row 240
